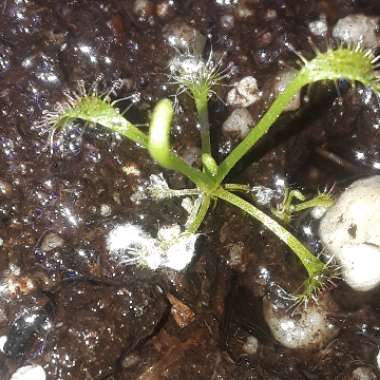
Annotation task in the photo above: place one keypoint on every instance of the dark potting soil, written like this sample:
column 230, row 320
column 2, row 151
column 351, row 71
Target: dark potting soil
column 65, row 304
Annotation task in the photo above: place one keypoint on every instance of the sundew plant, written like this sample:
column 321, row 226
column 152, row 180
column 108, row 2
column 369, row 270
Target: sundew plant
column 198, row 77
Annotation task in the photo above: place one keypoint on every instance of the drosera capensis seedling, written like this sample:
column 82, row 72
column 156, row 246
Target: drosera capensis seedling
column 352, row 63
column 197, row 77
column 287, row 208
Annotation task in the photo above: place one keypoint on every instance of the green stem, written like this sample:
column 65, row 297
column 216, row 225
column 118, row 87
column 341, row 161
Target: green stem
column 262, row 127
column 201, row 102
column 174, row 193
column 237, row 187
column 160, row 194
column 196, row 223
column 322, row 200
column 201, row 180
column 159, row 146
column 130, row 131
column 352, row 63
column 312, row 264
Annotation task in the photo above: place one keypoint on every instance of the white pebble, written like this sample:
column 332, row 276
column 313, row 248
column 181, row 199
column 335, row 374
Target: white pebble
column 238, row 123
column 164, row 8
column 227, row 3
column 358, row 28
column 308, row 329
column 142, row 8
column 5, row 188
column 3, row 340
column 105, row 210
column 363, row 373
column 319, row 27
column 244, row 93
column 282, row 80
column 183, row 37
column 348, row 231
column 361, row 266
column 192, row 155
column 242, row 11
column 130, row 361
column 251, row 345
column 51, row 241
column 227, row 22
column 270, row 14
column 29, row 372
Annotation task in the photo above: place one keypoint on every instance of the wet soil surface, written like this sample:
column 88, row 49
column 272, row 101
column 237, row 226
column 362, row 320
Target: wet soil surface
column 66, row 304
